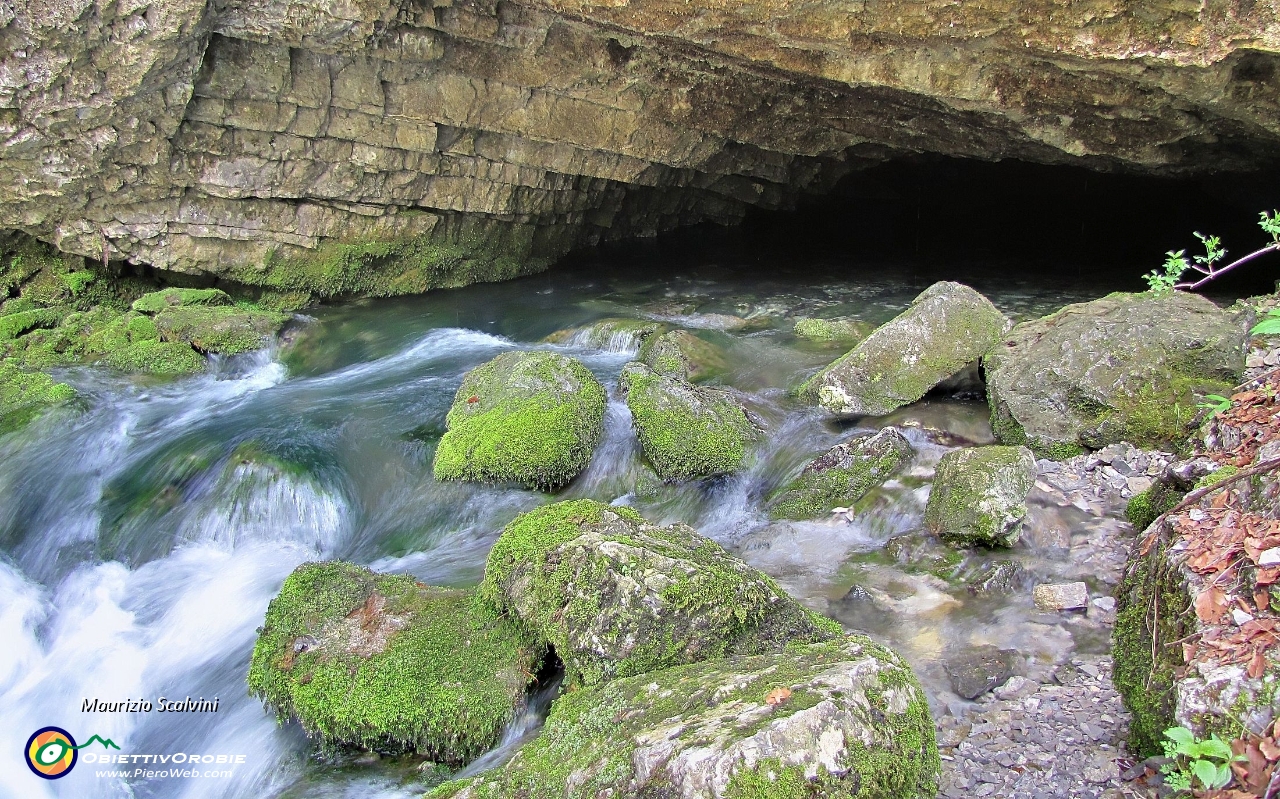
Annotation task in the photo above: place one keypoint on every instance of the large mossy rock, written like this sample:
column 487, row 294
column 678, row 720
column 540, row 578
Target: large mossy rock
column 383, row 662
column 682, row 354
column 1127, row 367
column 947, row 327
column 686, row 431
column 842, row 475
column 225, row 330
column 617, row 596
column 843, row 720
column 523, row 417
column 979, row 495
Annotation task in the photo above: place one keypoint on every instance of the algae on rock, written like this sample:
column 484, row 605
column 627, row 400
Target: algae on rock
column 947, row 327
column 979, row 495
column 686, row 431
column 684, row 355
column 383, row 662
column 844, row 719
column 842, row 475
column 524, row 417
column 833, row 331
column 1127, row 367
column 617, row 596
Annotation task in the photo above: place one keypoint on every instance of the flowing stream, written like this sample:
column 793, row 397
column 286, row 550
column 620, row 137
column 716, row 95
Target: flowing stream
column 145, row 530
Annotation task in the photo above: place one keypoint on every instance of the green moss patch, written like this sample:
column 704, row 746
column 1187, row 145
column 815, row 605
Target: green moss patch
column 23, row 395
column 683, row 355
column 686, row 431
column 383, row 662
column 221, row 329
column 833, row 331
column 524, row 417
column 158, row 301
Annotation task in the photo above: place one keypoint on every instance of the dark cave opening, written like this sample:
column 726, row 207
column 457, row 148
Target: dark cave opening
column 952, row 217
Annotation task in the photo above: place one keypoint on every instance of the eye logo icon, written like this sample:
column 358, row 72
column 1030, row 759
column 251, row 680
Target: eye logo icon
column 51, row 752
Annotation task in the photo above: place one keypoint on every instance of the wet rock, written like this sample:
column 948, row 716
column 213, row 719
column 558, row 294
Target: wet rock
column 381, row 661
column 947, row 326
column 842, row 475
column 25, row 395
column 618, row 596
column 686, row 431
column 1061, row 596
column 225, row 330
column 1128, row 367
column 827, row 719
column 613, row 334
column 681, row 354
column 839, row 330
column 1001, row 577
column 163, row 300
column 979, row 495
column 975, row 671
column 523, row 417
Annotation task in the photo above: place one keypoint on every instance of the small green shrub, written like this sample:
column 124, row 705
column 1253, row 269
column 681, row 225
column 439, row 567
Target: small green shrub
column 1196, row 764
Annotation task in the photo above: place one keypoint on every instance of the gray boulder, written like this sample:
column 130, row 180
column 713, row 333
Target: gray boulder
column 842, row 475
column 1127, row 367
column 844, row 718
column 618, row 596
column 946, row 328
column 979, row 495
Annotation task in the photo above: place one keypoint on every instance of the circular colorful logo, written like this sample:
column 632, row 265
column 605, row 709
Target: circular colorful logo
column 51, row 752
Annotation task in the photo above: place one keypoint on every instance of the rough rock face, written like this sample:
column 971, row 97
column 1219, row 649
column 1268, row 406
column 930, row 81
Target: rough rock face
column 1127, row 367
column 979, row 495
column 524, row 417
column 204, row 136
column 617, row 596
column 379, row 660
column 839, row 719
column 842, row 475
column 947, row 327
column 686, row 431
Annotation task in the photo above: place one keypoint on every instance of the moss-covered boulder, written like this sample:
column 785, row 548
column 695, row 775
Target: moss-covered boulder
column 618, row 596
column 221, row 329
column 25, row 395
column 979, row 495
column 383, row 662
column 157, row 301
column 947, row 327
column 845, row 719
column 1127, row 367
column 841, row 330
column 523, row 417
column 612, row 334
column 842, row 475
column 682, row 354
column 686, row 431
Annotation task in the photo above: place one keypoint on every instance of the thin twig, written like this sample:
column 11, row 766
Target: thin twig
column 1201, row 493
column 1275, row 245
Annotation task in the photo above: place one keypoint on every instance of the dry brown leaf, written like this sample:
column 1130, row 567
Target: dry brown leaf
column 1262, row 599
column 777, row 696
column 1257, row 664
column 1211, row 605
column 1269, row 749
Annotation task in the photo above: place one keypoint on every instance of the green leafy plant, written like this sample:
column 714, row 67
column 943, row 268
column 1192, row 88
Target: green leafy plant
column 1196, row 764
column 1161, row 283
column 1215, row 404
column 1269, row 326
column 1176, row 263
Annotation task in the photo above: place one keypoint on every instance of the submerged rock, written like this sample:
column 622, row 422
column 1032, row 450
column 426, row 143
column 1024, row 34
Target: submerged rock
column 523, row 417
column 975, row 671
column 681, row 354
column 979, row 495
column 1061, row 596
column 383, row 662
column 947, row 326
column 844, row 718
column 617, row 596
column 1127, row 367
column 686, row 431
column 842, row 475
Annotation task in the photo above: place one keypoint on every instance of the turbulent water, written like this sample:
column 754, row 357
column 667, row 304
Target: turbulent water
column 145, row 530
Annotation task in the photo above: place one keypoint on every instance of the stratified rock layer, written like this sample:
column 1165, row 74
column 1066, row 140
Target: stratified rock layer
column 840, row 719
column 388, row 147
